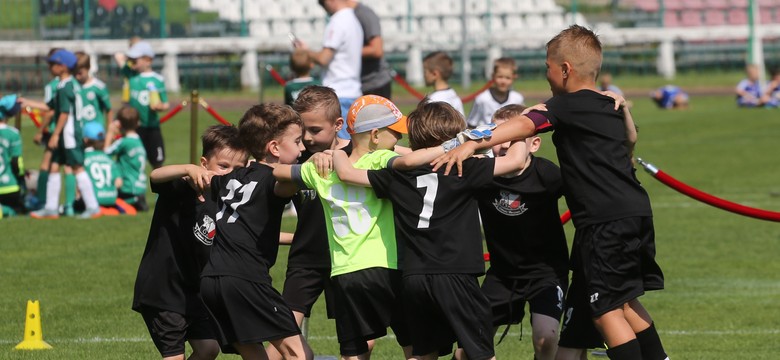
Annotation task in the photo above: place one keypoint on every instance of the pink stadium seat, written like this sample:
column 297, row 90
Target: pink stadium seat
column 738, row 3
column 671, row 19
column 674, row 5
column 648, row 6
column 738, row 17
column 768, row 16
column 693, row 4
column 690, row 18
column 717, row 4
column 714, row 17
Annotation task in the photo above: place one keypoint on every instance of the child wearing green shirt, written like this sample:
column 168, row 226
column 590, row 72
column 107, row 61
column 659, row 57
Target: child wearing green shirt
column 131, row 155
column 11, row 164
column 95, row 100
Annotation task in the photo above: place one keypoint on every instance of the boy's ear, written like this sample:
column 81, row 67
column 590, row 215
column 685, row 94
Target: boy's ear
column 536, row 142
column 272, row 148
column 203, row 162
column 339, row 123
column 375, row 136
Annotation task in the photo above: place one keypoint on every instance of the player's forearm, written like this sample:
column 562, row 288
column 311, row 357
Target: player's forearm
column 283, row 172
column 515, row 160
column 286, row 238
column 347, row 173
column 285, row 189
column 322, row 57
column 374, row 48
column 170, row 173
column 631, row 132
column 61, row 121
column 418, row 158
column 514, row 129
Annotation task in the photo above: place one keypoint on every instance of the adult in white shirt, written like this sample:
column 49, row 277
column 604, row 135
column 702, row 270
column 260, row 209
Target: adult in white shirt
column 341, row 54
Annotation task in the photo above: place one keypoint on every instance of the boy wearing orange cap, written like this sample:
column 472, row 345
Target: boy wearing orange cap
column 361, row 230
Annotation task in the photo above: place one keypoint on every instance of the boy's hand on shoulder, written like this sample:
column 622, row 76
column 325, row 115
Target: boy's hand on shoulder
column 537, row 107
column 455, row 157
column 199, row 178
column 323, row 161
column 619, row 99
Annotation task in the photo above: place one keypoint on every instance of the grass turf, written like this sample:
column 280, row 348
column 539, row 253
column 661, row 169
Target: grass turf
column 721, row 268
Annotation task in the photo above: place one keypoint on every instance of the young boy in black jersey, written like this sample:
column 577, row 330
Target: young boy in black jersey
column 308, row 262
column 437, row 223
column 235, row 283
column 181, row 234
column 614, row 246
column 528, row 251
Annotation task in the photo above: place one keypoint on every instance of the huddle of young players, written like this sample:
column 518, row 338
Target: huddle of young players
column 396, row 241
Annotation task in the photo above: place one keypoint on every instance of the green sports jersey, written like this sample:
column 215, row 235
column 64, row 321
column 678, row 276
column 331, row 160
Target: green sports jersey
column 103, row 172
column 293, row 87
column 48, row 92
column 361, row 229
column 131, row 156
column 66, row 101
column 10, row 147
column 95, row 101
column 142, row 89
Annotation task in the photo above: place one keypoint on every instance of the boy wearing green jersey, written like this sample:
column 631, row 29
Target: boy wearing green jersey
column 95, row 101
column 11, row 164
column 301, row 64
column 130, row 155
column 103, row 171
column 66, row 141
column 147, row 95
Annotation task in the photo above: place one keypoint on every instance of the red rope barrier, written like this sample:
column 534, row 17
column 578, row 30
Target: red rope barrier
column 470, row 98
column 213, row 112
column 400, row 80
column 275, row 75
column 697, row 194
column 564, row 219
column 34, row 118
column 173, row 112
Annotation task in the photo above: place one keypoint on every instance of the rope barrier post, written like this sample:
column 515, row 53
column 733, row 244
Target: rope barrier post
column 194, row 99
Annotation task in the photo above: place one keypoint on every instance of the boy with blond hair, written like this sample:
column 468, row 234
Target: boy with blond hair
column 235, row 283
column 437, row 225
column 500, row 94
column 614, row 245
column 437, row 70
column 301, row 64
column 95, row 100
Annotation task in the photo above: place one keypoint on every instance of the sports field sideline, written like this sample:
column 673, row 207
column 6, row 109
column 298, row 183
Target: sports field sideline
column 721, row 269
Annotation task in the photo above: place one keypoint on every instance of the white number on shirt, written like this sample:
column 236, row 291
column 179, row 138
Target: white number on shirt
column 349, row 212
column 234, row 186
column 101, row 174
column 431, row 184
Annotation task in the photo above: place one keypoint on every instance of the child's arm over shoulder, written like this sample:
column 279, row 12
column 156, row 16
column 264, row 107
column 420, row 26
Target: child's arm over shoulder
column 417, row 158
column 198, row 177
column 346, row 172
column 631, row 132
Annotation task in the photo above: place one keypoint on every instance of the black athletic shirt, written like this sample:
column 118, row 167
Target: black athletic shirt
column 436, row 216
column 590, row 139
column 522, row 224
column 309, row 248
column 176, row 250
column 248, row 220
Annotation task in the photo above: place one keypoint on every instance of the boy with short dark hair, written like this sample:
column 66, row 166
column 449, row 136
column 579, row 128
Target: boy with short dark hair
column 500, row 94
column 95, row 100
column 103, row 171
column 66, row 141
column 437, row 70
column 235, row 283
column 130, row 155
column 437, row 223
column 614, row 245
column 300, row 64
column 178, row 246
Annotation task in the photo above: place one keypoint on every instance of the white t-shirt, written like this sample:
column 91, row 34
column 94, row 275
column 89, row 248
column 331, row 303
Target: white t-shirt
column 485, row 105
column 344, row 36
column 450, row 97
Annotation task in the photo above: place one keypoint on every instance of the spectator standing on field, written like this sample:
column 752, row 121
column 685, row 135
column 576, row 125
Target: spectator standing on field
column 375, row 71
column 340, row 56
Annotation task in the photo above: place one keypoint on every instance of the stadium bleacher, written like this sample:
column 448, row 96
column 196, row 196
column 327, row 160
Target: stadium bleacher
column 690, row 13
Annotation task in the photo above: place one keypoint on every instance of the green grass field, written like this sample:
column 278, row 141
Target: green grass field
column 721, row 269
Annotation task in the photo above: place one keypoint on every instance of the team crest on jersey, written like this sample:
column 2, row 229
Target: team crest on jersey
column 509, row 203
column 91, row 96
column 205, row 230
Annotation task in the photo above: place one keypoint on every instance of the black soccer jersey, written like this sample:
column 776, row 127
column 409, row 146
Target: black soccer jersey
column 248, row 220
column 309, row 248
column 436, row 216
column 522, row 225
column 177, row 248
column 590, row 139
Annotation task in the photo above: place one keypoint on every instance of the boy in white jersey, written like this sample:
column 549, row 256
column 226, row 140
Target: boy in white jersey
column 498, row 96
column 437, row 68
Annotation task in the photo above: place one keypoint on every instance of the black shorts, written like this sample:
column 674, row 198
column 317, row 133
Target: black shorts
column 14, row 201
column 302, row 287
column 507, row 297
column 444, row 308
column 169, row 330
column 617, row 262
column 246, row 312
column 367, row 302
column 577, row 329
column 152, row 139
column 68, row 157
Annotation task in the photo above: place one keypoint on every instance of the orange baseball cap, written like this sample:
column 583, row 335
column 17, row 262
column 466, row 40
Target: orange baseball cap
column 370, row 112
